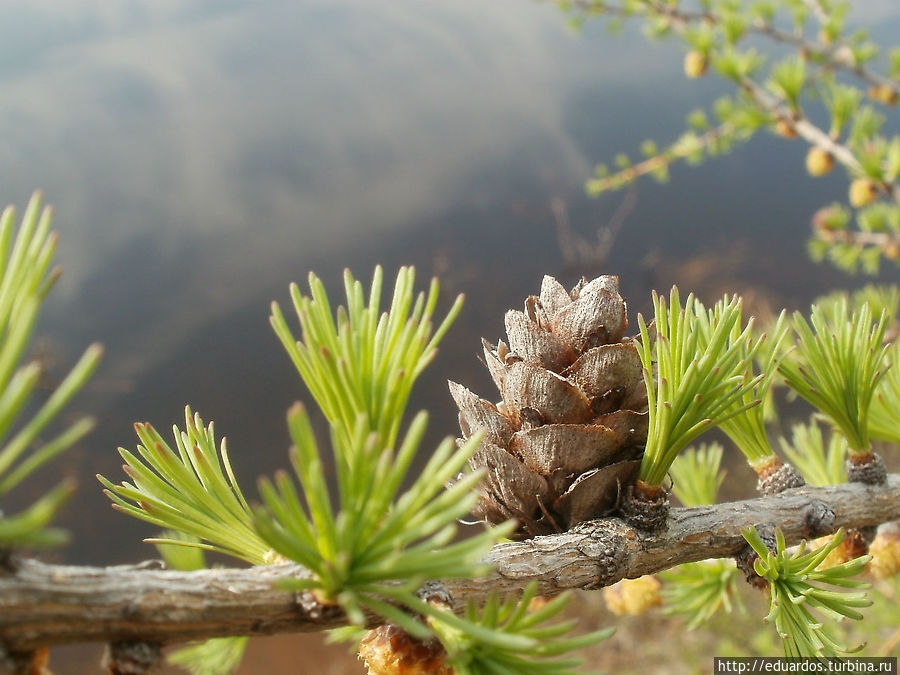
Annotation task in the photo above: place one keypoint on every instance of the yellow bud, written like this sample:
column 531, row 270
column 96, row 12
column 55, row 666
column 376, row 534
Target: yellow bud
column 819, row 161
column 695, row 64
column 885, row 550
column 884, row 93
column 633, row 596
column 891, row 250
column 862, row 192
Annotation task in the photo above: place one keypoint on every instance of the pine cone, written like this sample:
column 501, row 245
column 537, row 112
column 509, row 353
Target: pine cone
column 570, row 430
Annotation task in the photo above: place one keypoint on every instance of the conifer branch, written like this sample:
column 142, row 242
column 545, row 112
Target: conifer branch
column 44, row 604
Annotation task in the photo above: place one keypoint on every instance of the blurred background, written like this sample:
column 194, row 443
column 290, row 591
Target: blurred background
column 202, row 155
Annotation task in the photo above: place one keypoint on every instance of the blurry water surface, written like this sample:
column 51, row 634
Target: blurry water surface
column 203, row 155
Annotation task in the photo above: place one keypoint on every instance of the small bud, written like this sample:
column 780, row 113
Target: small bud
column 829, row 219
column 633, row 596
column 785, row 129
column 892, row 250
column 695, row 64
column 844, row 55
column 819, row 161
column 884, row 93
column 885, row 551
column 862, row 192
column 825, row 38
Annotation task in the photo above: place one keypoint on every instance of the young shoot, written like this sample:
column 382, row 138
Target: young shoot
column 701, row 379
column 747, row 429
column 26, row 442
column 801, row 602
column 380, row 545
column 837, row 367
column 883, row 413
column 192, row 491
column 820, row 463
column 696, row 477
column 363, row 361
column 510, row 636
column 698, row 591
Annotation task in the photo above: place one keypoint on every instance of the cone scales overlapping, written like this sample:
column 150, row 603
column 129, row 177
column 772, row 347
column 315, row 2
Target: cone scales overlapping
column 568, row 434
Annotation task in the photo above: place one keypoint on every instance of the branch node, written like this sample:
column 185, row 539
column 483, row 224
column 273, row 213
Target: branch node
column 868, row 469
column 819, row 519
column 437, row 594
column 131, row 658
column 782, row 478
column 607, row 549
column 314, row 610
column 748, row 557
column 9, row 561
column 645, row 512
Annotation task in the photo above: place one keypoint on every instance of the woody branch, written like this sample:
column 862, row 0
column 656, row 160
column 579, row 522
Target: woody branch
column 44, row 604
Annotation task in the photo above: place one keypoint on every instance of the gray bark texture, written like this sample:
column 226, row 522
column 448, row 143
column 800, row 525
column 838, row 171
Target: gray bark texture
column 43, row 604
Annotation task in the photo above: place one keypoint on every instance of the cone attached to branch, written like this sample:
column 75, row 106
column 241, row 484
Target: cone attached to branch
column 569, row 432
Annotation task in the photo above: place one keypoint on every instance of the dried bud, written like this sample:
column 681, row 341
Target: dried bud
column 695, row 64
column 819, row 161
column 389, row 650
column 633, row 596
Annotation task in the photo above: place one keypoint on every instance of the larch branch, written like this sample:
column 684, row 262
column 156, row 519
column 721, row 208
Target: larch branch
column 43, row 604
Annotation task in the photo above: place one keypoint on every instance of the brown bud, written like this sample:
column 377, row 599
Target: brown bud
column 785, row 128
column 389, row 650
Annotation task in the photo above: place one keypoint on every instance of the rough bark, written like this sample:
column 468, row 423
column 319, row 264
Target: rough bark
column 44, row 604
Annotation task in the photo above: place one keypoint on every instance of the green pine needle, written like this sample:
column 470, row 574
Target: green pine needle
column 747, row 429
column 700, row 590
column 378, row 542
column 837, row 366
column 702, row 376
column 364, row 361
column 218, row 656
column 29, row 527
column 883, row 421
column 696, row 477
column 26, row 253
column 192, row 491
column 508, row 636
column 819, row 462
column 801, row 604
column 371, row 545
